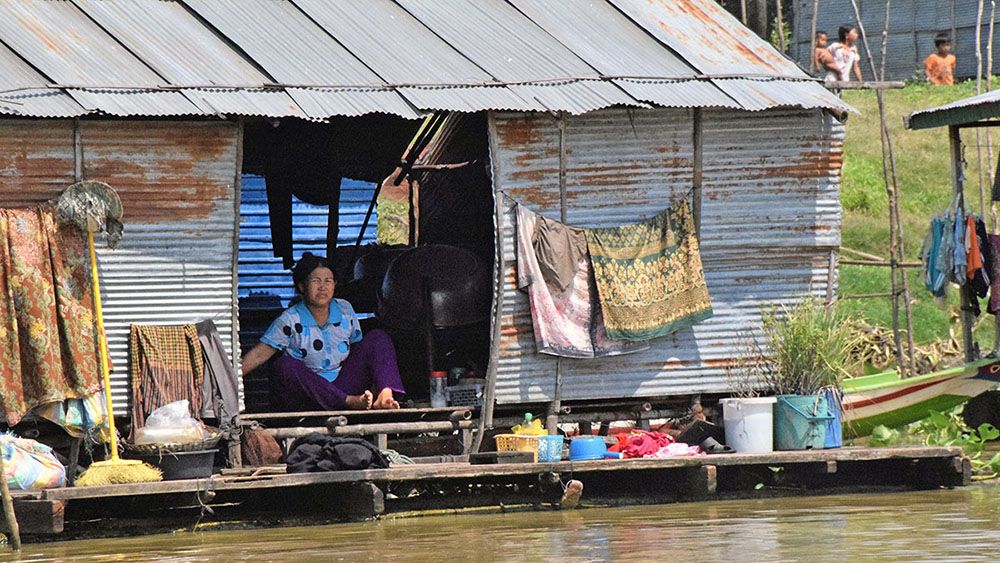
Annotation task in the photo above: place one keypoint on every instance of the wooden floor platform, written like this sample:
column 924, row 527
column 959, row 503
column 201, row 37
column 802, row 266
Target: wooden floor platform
column 270, row 496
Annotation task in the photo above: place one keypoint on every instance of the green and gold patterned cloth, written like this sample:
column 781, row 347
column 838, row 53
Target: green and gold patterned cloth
column 649, row 275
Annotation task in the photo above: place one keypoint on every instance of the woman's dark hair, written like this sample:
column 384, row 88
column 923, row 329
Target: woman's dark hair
column 844, row 31
column 306, row 265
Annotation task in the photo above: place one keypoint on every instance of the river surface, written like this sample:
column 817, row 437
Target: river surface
column 942, row 525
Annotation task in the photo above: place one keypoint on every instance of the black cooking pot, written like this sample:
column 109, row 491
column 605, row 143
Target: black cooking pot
column 458, row 281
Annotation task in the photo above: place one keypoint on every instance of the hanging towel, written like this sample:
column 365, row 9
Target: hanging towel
column 167, row 366
column 48, row 341
column 560, row 250
column 649, row 275
column 220, row 396
column 935, row 279
column 566, row 323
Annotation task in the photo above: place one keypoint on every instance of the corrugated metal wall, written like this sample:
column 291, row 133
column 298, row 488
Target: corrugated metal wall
column 912, row 27
column 175, row 263
column 770, row 220
column 260, row 272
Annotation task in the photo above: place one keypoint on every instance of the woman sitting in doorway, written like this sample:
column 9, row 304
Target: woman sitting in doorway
column 326, row 364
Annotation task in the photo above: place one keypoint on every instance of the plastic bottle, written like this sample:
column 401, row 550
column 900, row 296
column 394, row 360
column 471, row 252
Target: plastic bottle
column 438, row 381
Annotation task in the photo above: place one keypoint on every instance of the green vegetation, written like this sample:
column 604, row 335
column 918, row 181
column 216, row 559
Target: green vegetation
column 923, row 168
column 802, row 350
column 946, row 429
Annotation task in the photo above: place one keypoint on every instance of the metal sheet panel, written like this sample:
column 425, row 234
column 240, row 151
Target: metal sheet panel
column 24, row 91
column 510, row 47
column 615, row 46
column 170, row 39
column 715, row 43
column 294, row 50
column 36, row 160
column 401, row 50
column 175, row 264
column 66, row 46
column 770, row 219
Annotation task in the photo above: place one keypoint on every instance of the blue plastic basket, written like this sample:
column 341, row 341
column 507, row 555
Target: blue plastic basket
column 550, row 448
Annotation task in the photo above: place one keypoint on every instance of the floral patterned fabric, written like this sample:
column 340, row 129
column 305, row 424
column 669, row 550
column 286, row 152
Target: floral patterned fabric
column 48, row 345
column 565, row 322
column 649, row 275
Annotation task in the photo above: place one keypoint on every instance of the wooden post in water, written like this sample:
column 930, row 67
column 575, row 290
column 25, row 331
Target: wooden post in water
column 958, row 183
column 552, row 414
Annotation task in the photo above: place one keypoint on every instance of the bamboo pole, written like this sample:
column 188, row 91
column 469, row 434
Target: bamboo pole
column 8, row 509
column 900, row 286
column 812, row 37
column 989, row 134
column 979, row 90
column 743, row 9
column 781, row 26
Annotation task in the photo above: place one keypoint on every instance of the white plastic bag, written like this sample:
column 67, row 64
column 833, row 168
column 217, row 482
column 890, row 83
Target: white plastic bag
column 171, row 424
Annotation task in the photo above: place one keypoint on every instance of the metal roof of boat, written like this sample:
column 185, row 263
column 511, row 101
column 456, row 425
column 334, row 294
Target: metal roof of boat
column 314, row 59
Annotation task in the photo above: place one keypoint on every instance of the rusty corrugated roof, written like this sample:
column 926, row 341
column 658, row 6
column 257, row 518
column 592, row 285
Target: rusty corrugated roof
column 311, row 59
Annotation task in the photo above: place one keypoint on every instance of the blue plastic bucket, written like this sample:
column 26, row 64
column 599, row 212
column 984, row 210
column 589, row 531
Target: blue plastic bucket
column 587, row 447
column 800, row 422
column 834, row 431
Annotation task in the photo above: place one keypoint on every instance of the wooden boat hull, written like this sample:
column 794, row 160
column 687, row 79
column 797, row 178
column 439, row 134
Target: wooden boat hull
column 886, row 399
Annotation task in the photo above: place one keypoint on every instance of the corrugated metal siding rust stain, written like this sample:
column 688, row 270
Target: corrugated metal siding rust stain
column 36, row 161
column 159, row 169
column 770, row 217
column 724, row 39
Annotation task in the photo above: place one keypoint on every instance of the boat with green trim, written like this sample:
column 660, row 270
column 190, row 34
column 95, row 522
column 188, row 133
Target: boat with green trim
column 891, row 400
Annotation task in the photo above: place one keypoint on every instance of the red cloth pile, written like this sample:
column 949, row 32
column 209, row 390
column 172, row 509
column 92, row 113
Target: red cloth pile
column 641, row 443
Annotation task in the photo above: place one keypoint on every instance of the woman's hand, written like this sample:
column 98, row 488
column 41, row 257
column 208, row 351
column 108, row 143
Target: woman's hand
column 256, row 357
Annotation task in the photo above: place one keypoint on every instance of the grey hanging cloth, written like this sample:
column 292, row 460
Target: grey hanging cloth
column 220, row 386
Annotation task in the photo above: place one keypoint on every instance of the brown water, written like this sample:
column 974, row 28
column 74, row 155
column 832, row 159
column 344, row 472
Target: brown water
column 944, row 525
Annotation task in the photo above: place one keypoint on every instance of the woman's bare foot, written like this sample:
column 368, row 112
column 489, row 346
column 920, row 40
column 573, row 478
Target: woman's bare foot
column 385, row 400
column 360, row 402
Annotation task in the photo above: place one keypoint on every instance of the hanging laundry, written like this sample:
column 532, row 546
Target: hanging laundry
column 959, row 231
column 935, row 279
column 393, row 227
column 993, row 243
column 48, row 342
column 78, row 417
column 220, row 395
column 975, row 270
column 166, row 365
column 569, row 322
column 649, row 275
column 559, row 250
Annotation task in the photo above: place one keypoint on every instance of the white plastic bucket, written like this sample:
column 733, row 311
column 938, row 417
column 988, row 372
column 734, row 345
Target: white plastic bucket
column 749, row 423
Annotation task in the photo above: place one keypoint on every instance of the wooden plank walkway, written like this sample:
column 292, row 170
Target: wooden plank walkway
column 362, row 493
column 422, row 472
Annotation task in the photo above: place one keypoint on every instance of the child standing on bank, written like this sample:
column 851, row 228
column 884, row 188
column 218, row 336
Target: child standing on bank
column 939, row 67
